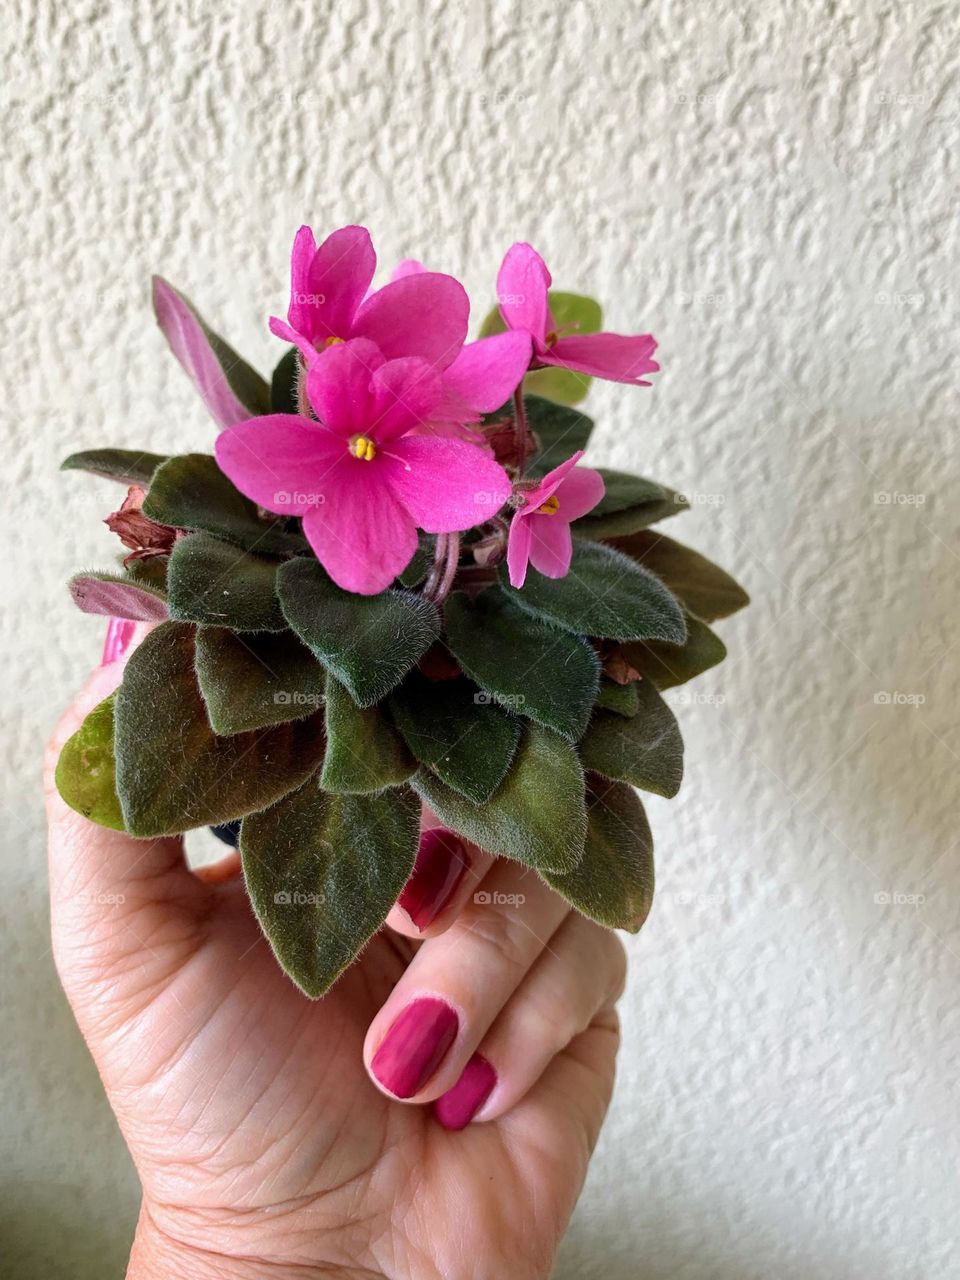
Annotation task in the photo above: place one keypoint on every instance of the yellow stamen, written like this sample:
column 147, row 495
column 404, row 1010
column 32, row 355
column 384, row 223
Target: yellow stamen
column 551, row 338
column 550, row 507
column 363, row 447
column 331, row 341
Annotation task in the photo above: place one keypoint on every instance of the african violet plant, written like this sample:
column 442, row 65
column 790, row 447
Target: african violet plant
column 394, row 583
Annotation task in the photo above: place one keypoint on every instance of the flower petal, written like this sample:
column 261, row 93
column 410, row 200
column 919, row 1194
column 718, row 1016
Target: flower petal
column 579, row 493
column 486, row 373
column 419, row 315
column 326, row 292
column 549, row 485
column 362, row 535
column 551, row 548
column 518, row 551
column 606, row 355
column 407, row 267
column 445, row 484
column 522, row 284
column 190, row 345
column 339, row 386
column 280, row 329
column 281, row 461
column 405, row 393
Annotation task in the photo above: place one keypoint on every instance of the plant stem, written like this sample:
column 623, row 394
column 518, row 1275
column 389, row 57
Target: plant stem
column 450, row 569
column 520, row 417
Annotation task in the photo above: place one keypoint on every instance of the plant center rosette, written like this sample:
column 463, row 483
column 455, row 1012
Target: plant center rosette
column 392, row 583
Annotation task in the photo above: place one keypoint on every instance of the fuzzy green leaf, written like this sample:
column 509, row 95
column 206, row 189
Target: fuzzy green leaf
column 257, row 679
column 705, row 588
column 364, row 751
column 86, row 770
column 173, row 773
column 457, row 732
column 571, row 311
column 114, row 596
column 536, row 815
column 283, row 385
column 605, row 594
column 668, row 665
column 629, row 503
column 129, row 466
column 191, row 492
column 322, row 872
column 645, row 750
column 621, row 698
column 368, row 642
column 541, row 672
column 560, row 431
column 614, row 883
column 216, row 583
column 150, row 572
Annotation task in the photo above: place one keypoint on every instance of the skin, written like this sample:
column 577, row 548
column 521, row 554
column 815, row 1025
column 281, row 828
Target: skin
column 263, row 1145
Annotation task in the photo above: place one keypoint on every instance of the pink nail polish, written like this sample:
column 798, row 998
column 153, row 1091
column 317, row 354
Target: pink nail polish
column 457, row 1107
column 415, row 1046
column 440, row 866
column 119, row 635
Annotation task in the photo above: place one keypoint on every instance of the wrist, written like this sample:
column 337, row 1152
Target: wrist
column 158, row 1254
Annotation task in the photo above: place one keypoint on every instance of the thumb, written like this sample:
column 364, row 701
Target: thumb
column 125, row 913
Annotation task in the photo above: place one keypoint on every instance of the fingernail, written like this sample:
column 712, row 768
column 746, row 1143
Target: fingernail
column 457, row 1107
column 119, row 634
column 441, row 863
column 415, row 1046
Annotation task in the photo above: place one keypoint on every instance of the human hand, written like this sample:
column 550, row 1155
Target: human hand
column 265, row 1127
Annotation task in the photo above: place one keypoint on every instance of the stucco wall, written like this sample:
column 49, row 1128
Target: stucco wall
column 770, row 187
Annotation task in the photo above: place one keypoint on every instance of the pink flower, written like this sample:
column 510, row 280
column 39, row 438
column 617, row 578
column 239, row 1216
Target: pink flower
column 522, row 285
column 361, row 484
column 540, row 530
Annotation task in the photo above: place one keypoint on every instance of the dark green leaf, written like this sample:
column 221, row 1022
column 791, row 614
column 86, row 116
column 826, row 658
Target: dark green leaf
column 629, row 503
column 416, row 570
column 605, row 594
column 364, row 751
column 86, row 770
column 173, row 773
column 560, row 431
column 457, row 732
column 129, row 466
column 115, row 596
column 705, row 588
column 621, row 698
column 322, row 872
column 645, row 750
column 151, row 571
column 668, row 665
column 191, row 492
column 571, row 311
column 536, row 815
column 368, row 642
column 244, row 381
column 283, row 386
column 614, row 883
column 549, row 675
column 257, row 679
column 216, row 583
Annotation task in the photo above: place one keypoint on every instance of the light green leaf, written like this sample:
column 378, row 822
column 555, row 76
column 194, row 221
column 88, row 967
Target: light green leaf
column 322, row 872
column 572, row 312
column 536, row 815
column 455, row 730
column 173, row 772
column 217, row 583
column 621, row 698
column 86, row 770
column 541, row 672
column 645, row 750
column 605, row 594
column 256, row 679
column 364, row 751
column 614, row 882
column 368, row 642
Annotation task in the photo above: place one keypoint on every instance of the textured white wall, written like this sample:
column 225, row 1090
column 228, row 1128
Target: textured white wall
column 772, row 189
